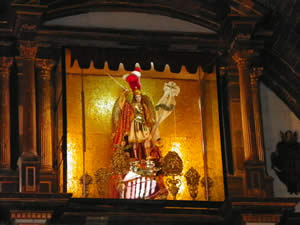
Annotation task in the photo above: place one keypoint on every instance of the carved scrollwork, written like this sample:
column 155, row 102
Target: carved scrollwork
column 192, row 179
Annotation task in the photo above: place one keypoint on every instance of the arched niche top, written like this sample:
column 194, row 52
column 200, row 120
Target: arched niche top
column 129, row 21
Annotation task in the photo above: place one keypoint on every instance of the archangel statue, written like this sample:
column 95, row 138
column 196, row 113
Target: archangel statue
column 136, row 131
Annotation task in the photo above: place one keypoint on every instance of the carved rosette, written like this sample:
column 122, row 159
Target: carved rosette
column 192, row 179
column 28, row 49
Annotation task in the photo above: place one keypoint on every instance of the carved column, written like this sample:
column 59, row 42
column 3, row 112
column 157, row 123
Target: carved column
column 28, row 50
column 5, row 63
column 256, row 183
column 44, row 112
column 242, row 59
column 255, row 75
column 28, row 162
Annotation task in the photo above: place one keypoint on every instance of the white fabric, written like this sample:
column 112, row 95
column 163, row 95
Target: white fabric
column 171, row 90
column 137, row 73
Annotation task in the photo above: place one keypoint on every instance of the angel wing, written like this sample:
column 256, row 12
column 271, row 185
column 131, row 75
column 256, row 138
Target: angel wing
column 149, row 104
column 116, row 113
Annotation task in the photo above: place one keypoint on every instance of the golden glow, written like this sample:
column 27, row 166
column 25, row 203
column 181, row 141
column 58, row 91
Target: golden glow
column 176, row 148
column 104, row 106
column 73, row 173
column 181, row 132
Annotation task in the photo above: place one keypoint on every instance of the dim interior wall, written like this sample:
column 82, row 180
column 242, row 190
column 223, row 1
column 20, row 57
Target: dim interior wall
column 276, row 117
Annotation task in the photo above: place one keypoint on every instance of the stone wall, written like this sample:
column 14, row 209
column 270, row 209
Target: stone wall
column 276, row 117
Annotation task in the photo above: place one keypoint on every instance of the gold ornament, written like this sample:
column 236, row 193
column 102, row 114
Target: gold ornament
column 102, row 176
column 192, row 179
column 172, row 165
column 173, row 186
column 120, row 162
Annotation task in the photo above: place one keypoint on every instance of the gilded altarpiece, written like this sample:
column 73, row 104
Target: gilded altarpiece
column 192, row 130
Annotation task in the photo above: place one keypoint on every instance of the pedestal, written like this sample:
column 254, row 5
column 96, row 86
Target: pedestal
column 29, row 172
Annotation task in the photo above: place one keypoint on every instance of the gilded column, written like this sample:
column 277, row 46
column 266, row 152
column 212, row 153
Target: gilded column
column 5, row 63
column 255, row 75
column 242, row 59
column 28, row 50
column 44, row 112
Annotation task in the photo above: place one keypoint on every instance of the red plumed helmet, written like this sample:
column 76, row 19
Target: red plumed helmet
column 133, row 79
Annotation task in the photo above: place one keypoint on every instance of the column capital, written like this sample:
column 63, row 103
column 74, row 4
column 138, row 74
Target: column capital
column 44, row 66
column 241, row 57
column 5, row 64
column 28, row 49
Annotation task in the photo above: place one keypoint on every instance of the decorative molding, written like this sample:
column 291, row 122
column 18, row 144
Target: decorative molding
column 30, row 215
column 28, row 49
column 261, row 218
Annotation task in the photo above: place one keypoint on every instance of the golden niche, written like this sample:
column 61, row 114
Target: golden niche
column 180, row 133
